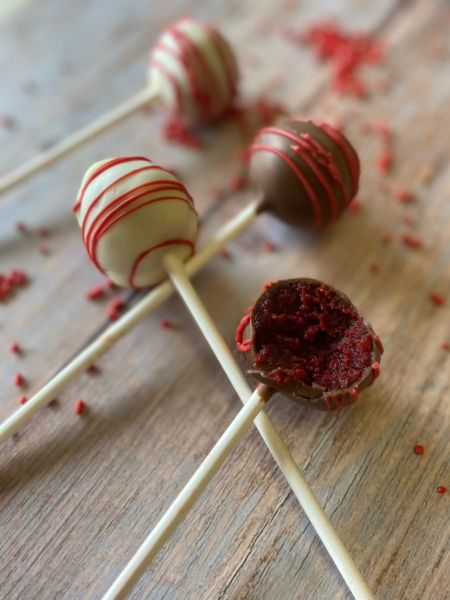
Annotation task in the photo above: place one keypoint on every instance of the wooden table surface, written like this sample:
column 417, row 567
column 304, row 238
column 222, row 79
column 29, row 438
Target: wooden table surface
column 78, row 494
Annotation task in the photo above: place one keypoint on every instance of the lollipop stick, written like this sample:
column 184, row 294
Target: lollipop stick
column 269, row 433
column 188, row 495
column 74, row 140
column 118, row 329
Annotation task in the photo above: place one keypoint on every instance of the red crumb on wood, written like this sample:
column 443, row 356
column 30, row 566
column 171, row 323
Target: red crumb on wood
column 117, row 304
column 386, row 239
column 112, row 314
column 412, row 242
column 404, row 195
column 96, row 293
column 80, row 407
column 225, row 253
column 93, row 369
column 15, row 348
column 384, row 162
column 175, row 130
column 165, row 324
column 355, row 206
column 23, row 400
column 437, row 299
column 445, row 346
column 374, row 268
column 236, row 183
column 419, row 449
column 19, row 380
column 441, row 489
column 269, row 246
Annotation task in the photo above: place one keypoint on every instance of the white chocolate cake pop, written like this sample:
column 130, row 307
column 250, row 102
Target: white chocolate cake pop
column 193, row 71
column 131, row 213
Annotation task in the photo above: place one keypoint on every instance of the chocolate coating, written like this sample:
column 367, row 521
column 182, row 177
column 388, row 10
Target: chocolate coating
column 310, row 343
column 307, row 172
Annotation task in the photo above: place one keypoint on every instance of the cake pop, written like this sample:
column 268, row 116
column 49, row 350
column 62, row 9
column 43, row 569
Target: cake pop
column 309, row 342
column 192, row 71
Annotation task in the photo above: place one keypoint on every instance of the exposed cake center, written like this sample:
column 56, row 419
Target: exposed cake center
column 304, row 331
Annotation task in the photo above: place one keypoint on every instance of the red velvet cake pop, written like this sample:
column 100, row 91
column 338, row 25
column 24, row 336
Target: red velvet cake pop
column 309, row 342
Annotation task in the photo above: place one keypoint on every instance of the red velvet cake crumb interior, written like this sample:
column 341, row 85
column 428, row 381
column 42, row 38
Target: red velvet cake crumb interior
column 305, row 331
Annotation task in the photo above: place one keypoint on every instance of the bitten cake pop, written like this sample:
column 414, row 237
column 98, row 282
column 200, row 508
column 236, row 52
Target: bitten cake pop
column 306, row 171
column 309, row 342
column 132, row 212
column 192, row 71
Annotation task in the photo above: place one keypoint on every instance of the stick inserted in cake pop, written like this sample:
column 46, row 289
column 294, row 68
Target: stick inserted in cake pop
column 336, row 161
column 192, row 71
column 324, row 324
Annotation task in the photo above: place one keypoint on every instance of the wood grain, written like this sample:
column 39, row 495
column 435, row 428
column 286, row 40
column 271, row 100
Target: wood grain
column 77, row 495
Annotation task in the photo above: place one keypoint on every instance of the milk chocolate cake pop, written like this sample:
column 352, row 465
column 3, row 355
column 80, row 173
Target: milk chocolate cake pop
column 310, row 343
column 307, row 172
column 131, row 213
column 194, row 71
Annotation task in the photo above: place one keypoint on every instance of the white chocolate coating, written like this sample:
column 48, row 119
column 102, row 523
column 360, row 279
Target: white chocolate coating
column 132, row 212
column 193, row 71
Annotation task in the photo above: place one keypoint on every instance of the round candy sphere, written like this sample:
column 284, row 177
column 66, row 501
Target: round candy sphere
column 193, row 71
column 309, row 342
column 307, row 172
column 131, row 213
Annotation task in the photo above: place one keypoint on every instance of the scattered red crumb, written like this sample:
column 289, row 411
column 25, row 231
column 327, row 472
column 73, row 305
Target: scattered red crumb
column 112, row 314
column 386, row 239
column 269, row 246
column 80, row 407
column 267, row 111
column 437, row 299
column 408, row 220
column 419, row 449
column 383, row 129
column 441, row 489
column 23, row 400
column 347, row 52
column 241, row 344
column 175, row 130
column 109, row 284
column 44, row 249
column 374, row 268
column 19, row 380
column 93, row 369
column 384, row 162
column 236, row 183
column 22, row 227
column 445, row 346
column 165, row 324
column 404, row 195
column 15, row 348
column 355, row 206
column 412, row 242
column 225, row 253
column 54, row 403
column 95, row 293
column 375, row 369
column 117, row 304
column 8, row 122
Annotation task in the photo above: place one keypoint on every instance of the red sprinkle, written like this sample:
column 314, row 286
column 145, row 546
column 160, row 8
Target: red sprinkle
column 441, row 489
column 117, row 304
column 384, row 162
column 23, row 400
column 386, row 239
column 15, row 348
column 383, row 129
column 176, row 131
column 403, row 195
column 225, row 253
column 80, row 407
column 437, row 299
column 355, row 206
column 419, row 449
column 374, row 268
column 375, row 369
column 445, row 346
column 165, row 324
column 411, row 241
column 112, row 314
column 95, row 293
column 269, row 246
column 93, row 369
column 236, row 183
column 19, row 380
